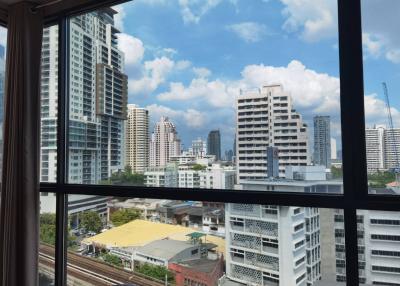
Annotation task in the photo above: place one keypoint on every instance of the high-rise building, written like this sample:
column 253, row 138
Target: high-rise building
column 322, row 141
column 198, row 148
column 164, row 143
column 137, row 154
column 333, row 149
column 266, row 118
column 383, row 148
column 214, row 144
column 97, row 99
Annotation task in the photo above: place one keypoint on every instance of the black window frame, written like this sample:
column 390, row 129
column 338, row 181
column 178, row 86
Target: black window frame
column 355, row 195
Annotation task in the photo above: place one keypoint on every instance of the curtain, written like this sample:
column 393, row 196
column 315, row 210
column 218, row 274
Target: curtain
column 19, row 205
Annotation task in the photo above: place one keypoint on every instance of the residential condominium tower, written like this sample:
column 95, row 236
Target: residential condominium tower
column 214, row 144
column 267, row 118
column 137, row 154
column 164, row 143
column 383, row 148
column 322, row 141
column 97, row 99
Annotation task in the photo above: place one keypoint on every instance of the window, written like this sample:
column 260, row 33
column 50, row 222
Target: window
column 3, row 44
column 256, row 80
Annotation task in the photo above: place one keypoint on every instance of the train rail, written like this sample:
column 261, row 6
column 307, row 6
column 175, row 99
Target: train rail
column 93, row 271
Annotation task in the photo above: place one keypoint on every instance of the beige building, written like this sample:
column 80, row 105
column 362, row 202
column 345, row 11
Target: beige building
column 137, row 139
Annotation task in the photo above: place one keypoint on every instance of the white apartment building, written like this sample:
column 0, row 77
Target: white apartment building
column 378, row 243
column 383, row 148
column 198, row 148
column 266, row 117
column 137, row 139
column 164, row 143
column 97, row 99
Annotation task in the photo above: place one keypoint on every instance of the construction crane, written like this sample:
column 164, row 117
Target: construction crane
column 393, row 140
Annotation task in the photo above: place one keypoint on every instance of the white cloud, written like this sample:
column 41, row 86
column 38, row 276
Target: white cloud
column 249, row 31
column 372, row 45
column 376, row 111
column 191, row 118
column 155, row 73
column 3, row 36
column 193, row 10
column 132, row 48
column 393, row 55
column 182, row 65
column 314, row 19
column 119, row 17
column 201, row 72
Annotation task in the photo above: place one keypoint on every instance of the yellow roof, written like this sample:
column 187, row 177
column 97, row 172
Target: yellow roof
column 140, row 232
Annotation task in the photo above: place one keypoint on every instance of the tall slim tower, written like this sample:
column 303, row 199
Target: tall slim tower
column 97, row 99
column 164, row 143
column 267, row 118
column 322, row 141
column 137, row 154
column 214, row 144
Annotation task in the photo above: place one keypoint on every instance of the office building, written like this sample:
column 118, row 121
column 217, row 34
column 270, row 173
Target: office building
column 267, row 117
column 164, row 143
column 322, row 141
column 214, row 144
column 137, row 154
column 97, row 97
column 382, row 147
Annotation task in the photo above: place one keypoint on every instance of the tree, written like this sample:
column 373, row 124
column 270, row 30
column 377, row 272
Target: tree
column 127, row 177
column 156, row 271
column 337, row 173
column 91, row 221
column 123, row 216
column 198, row 167
column 380, row 179
column 112, row 259
column 48, row 228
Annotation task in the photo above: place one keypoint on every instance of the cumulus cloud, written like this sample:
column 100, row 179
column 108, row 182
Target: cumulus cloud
column 182, row 65
column 155, row 73
column 376, row 111
column 191, row 118
column 132, row 48
column 249, row 31
column 119, row 17
column 314, row 19
column 193, row 10
column 201, row 72
column 3, row 36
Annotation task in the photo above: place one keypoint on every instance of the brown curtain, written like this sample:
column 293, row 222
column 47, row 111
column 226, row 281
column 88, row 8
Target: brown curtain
column 19, row 206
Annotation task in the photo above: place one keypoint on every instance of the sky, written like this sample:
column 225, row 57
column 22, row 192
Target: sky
column 189, row 59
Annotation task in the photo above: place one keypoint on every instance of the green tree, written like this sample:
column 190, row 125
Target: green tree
column 112, row 259
column 47, row 230
column 156, row 271
column 337, row 173
column 91, row 221
column 123, row 216
column 380, row 179
column 199, row 167
column 127, row 177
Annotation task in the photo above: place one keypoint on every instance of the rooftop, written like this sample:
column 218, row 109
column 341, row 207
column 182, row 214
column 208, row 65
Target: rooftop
column 167, row 248
column 141, row 232
column 204, row 265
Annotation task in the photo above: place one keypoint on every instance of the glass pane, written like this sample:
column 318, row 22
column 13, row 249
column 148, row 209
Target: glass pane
column 49, row 105
column 379, row 245
column 241, row 91
column 47, row 230
column 186, row 242
column 381, row 45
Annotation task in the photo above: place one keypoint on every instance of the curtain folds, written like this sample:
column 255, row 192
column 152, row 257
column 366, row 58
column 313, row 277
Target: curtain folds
column 19, row 205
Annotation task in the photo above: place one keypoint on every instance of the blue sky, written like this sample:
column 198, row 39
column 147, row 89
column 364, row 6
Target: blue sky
column 188, row 59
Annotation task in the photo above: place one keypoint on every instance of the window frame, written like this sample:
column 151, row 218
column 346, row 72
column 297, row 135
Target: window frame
column 355, row 183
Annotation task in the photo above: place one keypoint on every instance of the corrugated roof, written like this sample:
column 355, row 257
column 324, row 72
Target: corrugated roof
column 141, row 232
